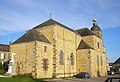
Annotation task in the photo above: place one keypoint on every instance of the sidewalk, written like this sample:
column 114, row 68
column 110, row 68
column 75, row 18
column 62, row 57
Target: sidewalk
column 3, row 76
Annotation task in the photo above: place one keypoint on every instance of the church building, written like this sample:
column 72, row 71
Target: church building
column 52, row 49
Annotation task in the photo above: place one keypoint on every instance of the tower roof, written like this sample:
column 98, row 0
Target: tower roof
column 32, row 35
column 95, row 26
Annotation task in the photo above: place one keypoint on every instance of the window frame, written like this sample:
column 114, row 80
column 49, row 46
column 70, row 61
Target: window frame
column 45, row 64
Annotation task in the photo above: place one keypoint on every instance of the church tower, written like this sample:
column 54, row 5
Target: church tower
column 96, row 29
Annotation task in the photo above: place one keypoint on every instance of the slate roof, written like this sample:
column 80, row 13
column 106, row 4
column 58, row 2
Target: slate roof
column 4, row 47
column 84, row 45
column 117, row 61
column 32, row 35
column 85, row 32
column 53, row 22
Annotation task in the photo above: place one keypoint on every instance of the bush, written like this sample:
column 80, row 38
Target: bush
column 117, row 73
column 24, row 75
column 1, row 69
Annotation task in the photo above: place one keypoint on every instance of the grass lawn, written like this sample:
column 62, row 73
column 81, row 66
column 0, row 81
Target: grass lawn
column 20, row 79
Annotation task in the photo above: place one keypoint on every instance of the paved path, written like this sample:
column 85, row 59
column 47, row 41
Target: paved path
column 79, row 80
column 98, row 79
column 3, row 76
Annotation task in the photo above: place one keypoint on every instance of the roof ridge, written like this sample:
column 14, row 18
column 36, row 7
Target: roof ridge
column 52, row 22
column 82, row 28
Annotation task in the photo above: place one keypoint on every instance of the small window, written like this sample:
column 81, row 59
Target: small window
column 98, row 45
column 45, row 48
column 45, row 64
column 72, row 58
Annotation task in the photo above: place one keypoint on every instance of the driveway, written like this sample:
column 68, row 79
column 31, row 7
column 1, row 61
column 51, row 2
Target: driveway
column 98, row 79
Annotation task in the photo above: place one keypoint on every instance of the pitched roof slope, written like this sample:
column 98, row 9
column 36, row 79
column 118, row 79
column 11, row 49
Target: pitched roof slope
column 85, row 32
column 4, row 47
column 53, row 22
column 32, row 35
column 84, row 45
column 117, row 61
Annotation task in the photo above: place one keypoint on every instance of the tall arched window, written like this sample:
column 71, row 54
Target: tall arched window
column 97, row 60
column 72, row 58
column 101, row 60
column 61, row 57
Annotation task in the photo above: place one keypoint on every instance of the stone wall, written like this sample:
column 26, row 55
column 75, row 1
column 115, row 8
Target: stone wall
column 62, row 40
column 24, row 58
column 83, row 60
column 91, row 61
column 29, row 57
column 67, row 43
column 40, row 56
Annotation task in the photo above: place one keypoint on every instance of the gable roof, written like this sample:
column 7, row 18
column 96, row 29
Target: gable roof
column 53, row 22
column 117, row 61
column 84, row 45
column 32, row 35
column 4, row 47
column 86, row 32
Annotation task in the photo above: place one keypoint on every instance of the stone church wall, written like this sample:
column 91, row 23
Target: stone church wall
column 29, row 58
column 91, row 61
column 41, row 55
column 24, row 58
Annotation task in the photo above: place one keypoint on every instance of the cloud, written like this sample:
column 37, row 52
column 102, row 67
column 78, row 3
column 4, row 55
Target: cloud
column 15, row 21
column 20, row 15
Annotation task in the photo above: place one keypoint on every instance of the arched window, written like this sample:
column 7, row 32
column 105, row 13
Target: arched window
column 101, row 60
column 97, row 60
column 61, row 57
column 72, row 58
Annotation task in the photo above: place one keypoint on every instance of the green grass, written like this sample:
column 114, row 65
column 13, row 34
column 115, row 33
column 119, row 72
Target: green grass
column 18, row 79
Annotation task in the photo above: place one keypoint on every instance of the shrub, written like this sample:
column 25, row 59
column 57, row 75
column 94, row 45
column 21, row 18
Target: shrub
column 1, row 69
column 24, row 75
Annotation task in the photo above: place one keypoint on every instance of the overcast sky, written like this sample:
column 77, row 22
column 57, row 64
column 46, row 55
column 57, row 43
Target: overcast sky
column 17, row 16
